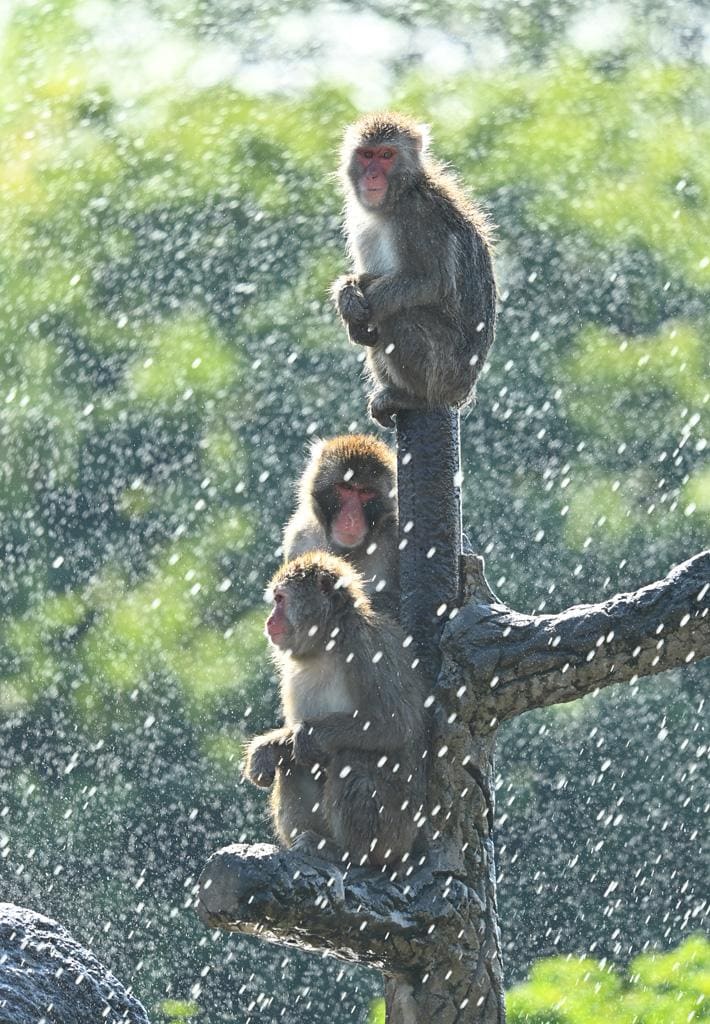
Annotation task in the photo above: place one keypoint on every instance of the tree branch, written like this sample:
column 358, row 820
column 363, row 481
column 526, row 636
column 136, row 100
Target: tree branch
column 357, row 915
column 511, row 663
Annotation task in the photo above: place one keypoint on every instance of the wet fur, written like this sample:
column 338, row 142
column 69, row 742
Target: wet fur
column 423, row 280
column 357, row 710
column 373, row 465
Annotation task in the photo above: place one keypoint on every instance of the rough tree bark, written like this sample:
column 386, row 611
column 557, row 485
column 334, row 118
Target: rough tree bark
column 433, row 929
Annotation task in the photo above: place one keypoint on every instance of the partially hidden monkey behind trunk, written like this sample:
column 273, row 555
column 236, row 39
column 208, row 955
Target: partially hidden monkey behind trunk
column 347, row 504
column 422, row 294
column 349, row 766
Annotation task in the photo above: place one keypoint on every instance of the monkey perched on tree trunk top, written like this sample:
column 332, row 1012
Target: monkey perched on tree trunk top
column 348, row 767
column 347, row 505
column 422, row 298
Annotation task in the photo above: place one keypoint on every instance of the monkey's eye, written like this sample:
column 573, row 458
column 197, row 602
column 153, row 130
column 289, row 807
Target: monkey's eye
column 387, row 154
column 278, row 597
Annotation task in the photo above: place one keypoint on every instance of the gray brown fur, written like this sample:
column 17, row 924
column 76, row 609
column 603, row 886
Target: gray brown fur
column 354, row 706
column 367, row 462
column 422, row 296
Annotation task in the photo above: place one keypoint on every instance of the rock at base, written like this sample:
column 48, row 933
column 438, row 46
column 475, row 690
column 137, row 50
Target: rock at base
column 45, row 975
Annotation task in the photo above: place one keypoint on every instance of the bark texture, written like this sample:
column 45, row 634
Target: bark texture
column 357, row 915
column 429, row 502
column 503, row 663
column 460, row 982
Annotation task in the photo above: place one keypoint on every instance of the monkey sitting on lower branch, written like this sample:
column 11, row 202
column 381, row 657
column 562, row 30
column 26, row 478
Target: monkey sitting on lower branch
column 348, row 768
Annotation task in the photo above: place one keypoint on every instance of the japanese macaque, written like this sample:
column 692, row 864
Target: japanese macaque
column 347, row 505
column 422, row 296
column 348, row 767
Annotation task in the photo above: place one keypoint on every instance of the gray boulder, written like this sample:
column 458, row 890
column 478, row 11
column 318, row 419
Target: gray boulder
column 46, row 977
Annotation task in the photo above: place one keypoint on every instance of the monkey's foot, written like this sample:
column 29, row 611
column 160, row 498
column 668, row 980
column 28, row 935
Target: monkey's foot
column 260, row 767
column 306, row 752
column 386, row 403
column 311, row 844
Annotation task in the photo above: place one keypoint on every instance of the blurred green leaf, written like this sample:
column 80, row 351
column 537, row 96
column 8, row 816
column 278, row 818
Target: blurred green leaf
column 179, row 1009
column 659, row 989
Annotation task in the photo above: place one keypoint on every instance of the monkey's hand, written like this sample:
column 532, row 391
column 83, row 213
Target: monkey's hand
column 375, row 292
column 306, row 750
column 264, row 756
column 350, row 300
column 363, row 334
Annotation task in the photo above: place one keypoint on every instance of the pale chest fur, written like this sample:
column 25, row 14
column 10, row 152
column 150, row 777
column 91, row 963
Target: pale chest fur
column 371, row 242
column 313, row 689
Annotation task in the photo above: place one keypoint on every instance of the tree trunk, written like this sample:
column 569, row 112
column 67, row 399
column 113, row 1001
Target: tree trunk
column 461, row 984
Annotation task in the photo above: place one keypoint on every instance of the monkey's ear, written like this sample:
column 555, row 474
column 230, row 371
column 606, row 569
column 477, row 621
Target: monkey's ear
column 337, row 589
column 326, row 584
column 424, row 137
column 315, row 446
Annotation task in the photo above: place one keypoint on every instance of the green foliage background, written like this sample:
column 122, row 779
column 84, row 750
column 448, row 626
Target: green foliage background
column 167, row 349
column 670, row 988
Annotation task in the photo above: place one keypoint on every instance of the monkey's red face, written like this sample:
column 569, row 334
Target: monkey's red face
column 278, row 626
column 349, row 525
column 374, row 164
column 302, row 609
